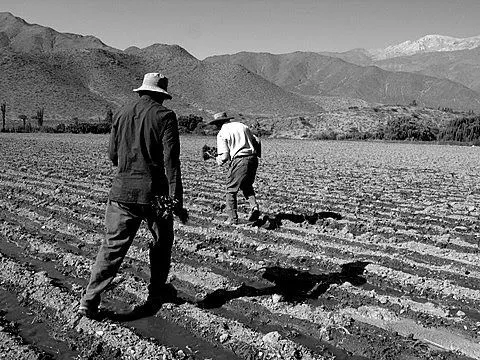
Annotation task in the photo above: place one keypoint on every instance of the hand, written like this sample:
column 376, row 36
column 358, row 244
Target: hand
column 219, row 160
column 182, row 215
column 208, row 152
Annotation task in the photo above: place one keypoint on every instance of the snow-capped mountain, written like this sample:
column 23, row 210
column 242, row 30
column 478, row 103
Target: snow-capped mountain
column 429, row 43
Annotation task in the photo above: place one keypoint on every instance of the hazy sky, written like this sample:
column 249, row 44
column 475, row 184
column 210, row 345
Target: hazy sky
column 209, row 27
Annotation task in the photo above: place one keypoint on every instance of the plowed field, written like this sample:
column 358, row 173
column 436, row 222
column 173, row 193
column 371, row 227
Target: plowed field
column 363, row 251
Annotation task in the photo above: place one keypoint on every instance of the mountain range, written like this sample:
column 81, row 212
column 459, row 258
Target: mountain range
column 426, row 44
column 313, row 74
column 439, row 56
column 79, row 76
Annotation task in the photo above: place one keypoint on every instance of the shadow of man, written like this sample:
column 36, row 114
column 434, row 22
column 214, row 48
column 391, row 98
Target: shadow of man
column 293, row 284
column 147, row 309
column 272, row 223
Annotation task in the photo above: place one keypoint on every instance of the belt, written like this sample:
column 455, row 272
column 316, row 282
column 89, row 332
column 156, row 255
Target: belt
column 242, row 156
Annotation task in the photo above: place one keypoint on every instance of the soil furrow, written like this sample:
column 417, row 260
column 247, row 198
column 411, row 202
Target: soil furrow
column 395, row 278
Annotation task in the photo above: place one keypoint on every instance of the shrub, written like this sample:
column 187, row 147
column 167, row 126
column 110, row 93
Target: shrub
column 406, row 128
column 326, row 135
column 463, row 129
column 39, row 117
column 3, row 108
column 109, row 116
column 188, row 123
column 88, row 128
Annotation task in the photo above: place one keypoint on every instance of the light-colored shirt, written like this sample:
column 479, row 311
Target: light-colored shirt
column 236, row 139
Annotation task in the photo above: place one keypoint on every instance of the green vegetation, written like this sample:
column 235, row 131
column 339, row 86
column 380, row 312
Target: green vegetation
column 23, row 117
column 109, row 116
column 383, row 122
column 3, row 108
column 410, row 128
column 465, row 129
column 39, row 117
column 188, row 124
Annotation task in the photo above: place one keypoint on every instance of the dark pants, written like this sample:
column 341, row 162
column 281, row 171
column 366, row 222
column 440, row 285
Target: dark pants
column 122, row 222
column 241, row 175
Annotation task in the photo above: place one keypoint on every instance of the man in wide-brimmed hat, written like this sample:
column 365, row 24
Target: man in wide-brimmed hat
column 237, row 146
column 145, row 147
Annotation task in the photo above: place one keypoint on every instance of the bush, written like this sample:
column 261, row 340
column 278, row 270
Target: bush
column 406, row 128
column 188, row 123
column 466, row 129
column 326, row 135
column 87, row 128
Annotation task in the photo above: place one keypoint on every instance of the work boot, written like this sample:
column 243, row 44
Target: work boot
column 89, row 308
column 254, row 214
column 166, row 293
column 90, row 313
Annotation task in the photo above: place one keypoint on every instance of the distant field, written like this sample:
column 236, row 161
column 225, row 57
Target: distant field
column 365, row 250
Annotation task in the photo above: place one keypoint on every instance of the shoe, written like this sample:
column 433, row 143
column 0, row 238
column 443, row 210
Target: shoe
column 254, row 215
column 88, row 312
column 167, row 293
column 148, row 308
column 89, row 308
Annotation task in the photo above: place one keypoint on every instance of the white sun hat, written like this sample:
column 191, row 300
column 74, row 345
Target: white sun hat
column 220, row 118
column 154, row 82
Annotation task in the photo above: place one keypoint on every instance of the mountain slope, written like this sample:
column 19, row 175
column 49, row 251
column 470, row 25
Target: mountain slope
column 428, row 43
column 18, row 35
column 315, row 74
column 221, row 85
column 27, row 82
column 459, row 66
column 76, row 76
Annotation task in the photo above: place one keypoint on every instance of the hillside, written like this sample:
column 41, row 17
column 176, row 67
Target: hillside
column 314, row 74
column 461, row 66
column 217, row 86
column 429, row 44
column 18, row 35
column 78, row 76
column 74, row 76
column 426, row 44
column 347, row 123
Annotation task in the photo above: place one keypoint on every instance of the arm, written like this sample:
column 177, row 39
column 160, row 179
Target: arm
column 257, row 144
column 223, row 150
column 112, row 145
column 171, row 147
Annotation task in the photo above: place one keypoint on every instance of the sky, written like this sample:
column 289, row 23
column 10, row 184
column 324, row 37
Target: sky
column 215, row 27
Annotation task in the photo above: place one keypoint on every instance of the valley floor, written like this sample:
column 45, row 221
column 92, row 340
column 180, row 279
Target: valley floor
column 363, row 251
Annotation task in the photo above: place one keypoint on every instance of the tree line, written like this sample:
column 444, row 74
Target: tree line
column 187, row 124
column 413, row 128
column 465, row 129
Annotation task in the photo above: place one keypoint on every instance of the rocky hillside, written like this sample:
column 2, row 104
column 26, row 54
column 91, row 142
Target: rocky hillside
column 461, row 66
column 314, row 74
column 73, row 76
column 18, row 35
column 77, row 76
column 434, row 44
column 428, row 43
column 353, row 122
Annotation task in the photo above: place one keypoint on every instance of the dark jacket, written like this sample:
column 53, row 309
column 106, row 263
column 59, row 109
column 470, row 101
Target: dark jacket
column 145, row 145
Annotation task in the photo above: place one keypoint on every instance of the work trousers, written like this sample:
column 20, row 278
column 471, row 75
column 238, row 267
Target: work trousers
column 241, row 176
column 122, row 223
